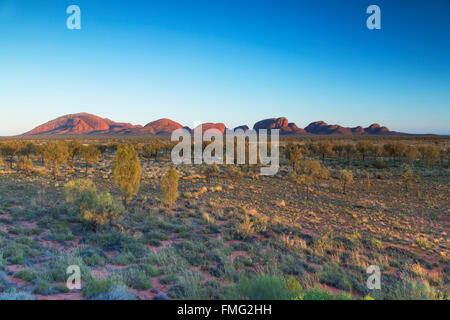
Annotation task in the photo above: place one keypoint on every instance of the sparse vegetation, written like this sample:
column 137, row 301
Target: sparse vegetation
column 127, row 171
column 236, row 236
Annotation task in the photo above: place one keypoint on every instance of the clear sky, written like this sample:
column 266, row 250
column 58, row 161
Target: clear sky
column 231, row 61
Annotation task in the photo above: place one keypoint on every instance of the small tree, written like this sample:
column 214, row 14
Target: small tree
column 28, row 149
column 325, row 148
column 338, row 149
column 74, row 150
column 127, row 171
column 431, row 155
column 363, row 148
column 395, row 149
column 169, row 186
column 150, row 150
column 311, row 170
column 407, row 178
column 25, row 164
column 90, row 155
column 349, row 151
column 346, row 178
column 9, row 150
column 294, row 153
column 412, row 154
column 210, row 170
column 56, row 153
column 307, row 181
column 376, row 150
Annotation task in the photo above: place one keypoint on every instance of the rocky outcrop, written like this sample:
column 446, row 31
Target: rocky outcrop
column 89, row 124
column 161, row 126
column 281, row 124
column 75, row 124
column 209, row 125
column 243, row 128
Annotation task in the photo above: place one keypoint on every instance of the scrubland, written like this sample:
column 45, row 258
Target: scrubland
column 336, row 206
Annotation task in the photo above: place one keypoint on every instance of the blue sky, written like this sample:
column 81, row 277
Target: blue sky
column 231, row 61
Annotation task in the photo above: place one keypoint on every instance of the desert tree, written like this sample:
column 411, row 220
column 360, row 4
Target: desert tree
column 136, row 145
column 28, row 149
column 349, row 150
column 412, row 154
column 40, row 153
column 169, row 187
column 74, row 151
column 325, row 148
column 376, row 150
column 407, row 178
column 25, row 164
column 395, row 149
column 127, row 171
column 294, row 153
column 422, row 150
column 56, row 153
column 90, row 155
column 338, row 149
column 311, row 147
column 310, row 170
column 210, row 171
column 346, row 177
column 431, row 155
column 363, row 148
column 9, row 150
column 150, row 150
column 166, row 147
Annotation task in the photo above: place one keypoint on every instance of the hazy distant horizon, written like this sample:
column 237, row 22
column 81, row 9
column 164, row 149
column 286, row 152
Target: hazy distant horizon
column 235, row 62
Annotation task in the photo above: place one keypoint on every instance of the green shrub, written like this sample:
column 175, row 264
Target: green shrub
column 136, row 278
column 61, row 288
column 95, row 287
column 97, row 209
column 57, row 267
column 295, row 288
column 189, row 286
column 41, row 287
column 335, row 277
column 93, row 256
column 116, row 292
column 118, row 242
column 26, row 274
column 317, row 293
column 261, row 287
column 123, row 259
column 379, row 164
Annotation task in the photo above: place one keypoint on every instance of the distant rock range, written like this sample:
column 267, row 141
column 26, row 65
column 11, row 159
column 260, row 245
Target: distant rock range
column 88, row 124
